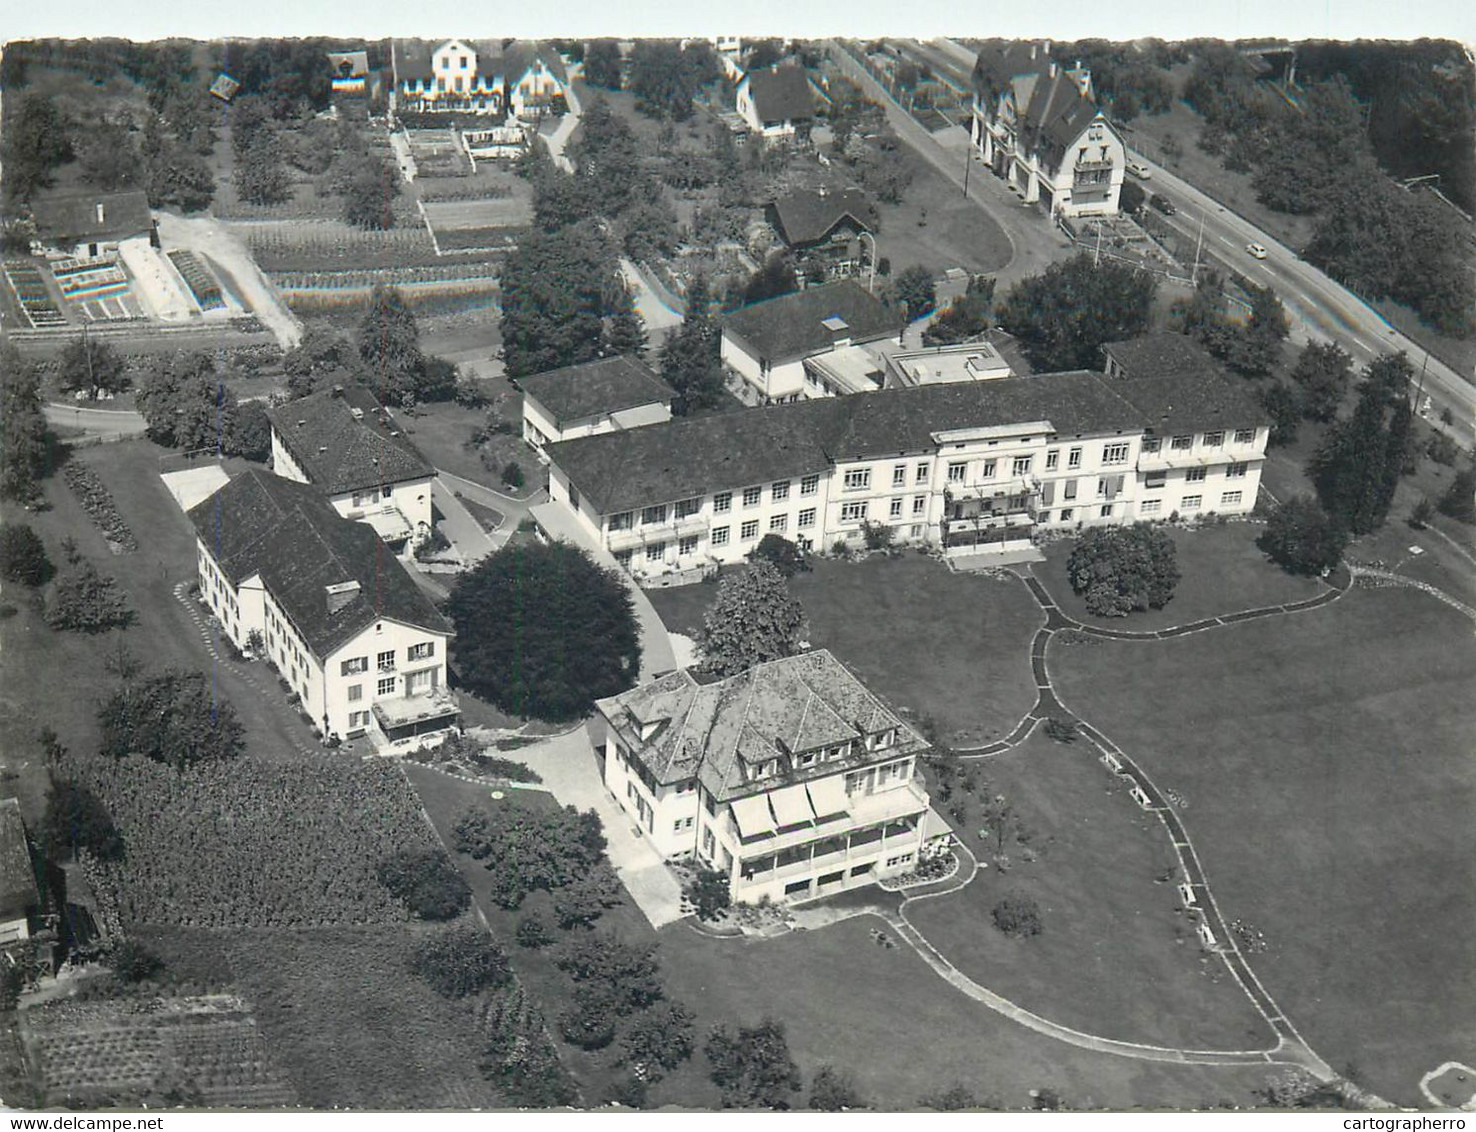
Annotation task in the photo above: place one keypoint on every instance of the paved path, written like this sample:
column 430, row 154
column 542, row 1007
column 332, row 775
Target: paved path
column 472, row 543
column 94, row 422
column 557, row 140
column 658, row 316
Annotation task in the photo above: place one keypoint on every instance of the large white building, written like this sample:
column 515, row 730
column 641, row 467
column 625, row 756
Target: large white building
column 791, row 778
column 971, row 467
column 483, row 77
column 342, row 621
column 1034, row 123
column 591, row 398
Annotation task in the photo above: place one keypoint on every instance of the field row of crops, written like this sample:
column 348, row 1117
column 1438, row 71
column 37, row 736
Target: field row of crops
column 246, row 844
column 326, row 246
column 395, row 276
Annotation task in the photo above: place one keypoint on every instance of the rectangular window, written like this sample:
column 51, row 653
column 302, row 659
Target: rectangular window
column 1066, row 513
column 857, row 479
column 957, row 471
column 752, row 496
column 1214, row 439
column 1102, row 488
column 1194, row 475
column 655, row 551
column 1181, row 443
column 1155, row 479
column 1045, row 516
column 749, row 530
column 1236, row 471
column 806, row 518
column 1069, row 491
column 778, row 523
column 1053, row 459
column 422, row 651
column 1191, row 502
column 386, row 687
column 573, row 497
column 1106, row 511
column 853, row 512
column 722, row 501
column 687, row 545
column 921, row 475
column 354, row 666
column 780, row 491
column 809, row 485
column 623, row 521
column 987, row 471
column 899, row 475
column 1245, row 435
column 1230, row 499
column 1022, row 465
column 1073, row 458
column 719, row 536
column 355, row 692
column 386, row 661
column 895, row 509
column 688, row 507
column 653, row 515
column 919, row 504
column 1151, row 444
column 1150, row 506
column 1115, row 454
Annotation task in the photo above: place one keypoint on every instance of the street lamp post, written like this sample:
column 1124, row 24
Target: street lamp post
column 871, row 282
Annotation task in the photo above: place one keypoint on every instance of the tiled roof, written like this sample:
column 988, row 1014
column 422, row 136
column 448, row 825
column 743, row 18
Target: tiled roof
column 518, row 58
column 805, row 217
column 73, row 217
column 289, row 534
column 794, row 325
column 709, row 731
column 1154, row 355
column 17, row 877
column 662, row 463
column 1052, row 112
column 1179, row 388
column 357, row 63
column 341, row 452
column 596, row 388
column 781, row 93
column 412, row 57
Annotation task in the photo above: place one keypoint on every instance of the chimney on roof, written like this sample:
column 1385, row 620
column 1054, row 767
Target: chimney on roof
column 100, row 212
column 1032, row 52
column 301, row 423
column 1053, row 68
column 340, row 594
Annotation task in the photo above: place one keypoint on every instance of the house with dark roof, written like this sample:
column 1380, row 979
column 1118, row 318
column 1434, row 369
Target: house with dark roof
column 349, row 71
column 535, row 80
column 1035, row 124
column 88, row 225
column 345, row 443
column 336, row 613
column 20, row 900
column 453, row 76
column 792, row 779
column 778, row 103
column 828, row 225
column 594, row 397
column 768, row 343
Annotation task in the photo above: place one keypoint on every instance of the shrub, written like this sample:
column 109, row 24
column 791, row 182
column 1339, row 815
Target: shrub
column 432, row 545
column 878, row 535
column 752, row 1067
column 517, row 1055
column 1459, row 499
column 85, row 601
column 955, row 1099
column 1302, row 538
column 584, row 901
column 532, row 932
column 1123, row 569
column 427, row 881
column 23, row 556
column 626, row 974
column 512, row 475
column 77, row 821
column 1442, row 449
column 709, row 894
column 133, row 962
column 525, row 851
column 657, row 1040
column 461, row 960
column 628, row 1092
column 174, row 718
column 787, row 558
column 1422, row 513
column 834, row 1090
column 590, row 1022
column 1017, row 916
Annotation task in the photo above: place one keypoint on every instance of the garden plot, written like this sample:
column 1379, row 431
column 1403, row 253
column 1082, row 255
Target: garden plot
column 32, row 295
column 484, row 223
column 438, row 153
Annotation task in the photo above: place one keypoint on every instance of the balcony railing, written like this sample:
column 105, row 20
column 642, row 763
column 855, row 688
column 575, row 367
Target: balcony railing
column 1093, row 166
column 643, row 533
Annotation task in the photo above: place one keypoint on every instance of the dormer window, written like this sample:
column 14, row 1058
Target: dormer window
column 649, row 728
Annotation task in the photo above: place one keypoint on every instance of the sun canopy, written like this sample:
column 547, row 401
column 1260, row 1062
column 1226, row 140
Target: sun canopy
column 752, row 816
column 828, row 795
column 791, row 806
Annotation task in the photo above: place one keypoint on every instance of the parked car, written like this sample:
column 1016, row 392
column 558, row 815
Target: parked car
column 1163, row 204
column 1257, row 250
column 1139, row 170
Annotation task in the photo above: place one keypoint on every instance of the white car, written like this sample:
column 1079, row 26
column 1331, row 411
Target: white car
column 1257, row 250
column 1139, row 170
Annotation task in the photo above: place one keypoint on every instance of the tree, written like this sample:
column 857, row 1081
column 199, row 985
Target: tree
column 542, row 631
column 84, row 601
column 186, row 404
column 966, row 318
column 781, row 553
column 175, row 176
column 834, row 1090
column 427, row 881
column 133, row 962
column 517, row 1055
column 753, row 619
column 23, row 556
column 36, row 143
column 602, row 64
column 1459, row 499
column 251, row 432
column 525, row 851
column 1361, row 459
column 774, row 278
column 369, row 195
column 690, row 358
column 91, row 366
column 175, row 717
column 583, row 901
column 1302, row 538
column 657, row 1040
column 24, row 439
column 1131, row 198
column 626, row 974
column 709, row 894
column 1017, row 916
column 1284, row 403
column 1063, row 316
column 665, row 76
column 915, row 291
column 554, row 291
column 752, row 1066
column 1322, row 371
column 389, row 345
column 1123, row 569
column 588, row 1023
column 261, row 175
column 76, row 822
column 461, row 960
column 957, row 1098
column 324, row 358
column 625, row 330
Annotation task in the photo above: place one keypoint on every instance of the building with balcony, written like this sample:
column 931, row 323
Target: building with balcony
column 343, row 442
column 791, row 778
column 595, row 397
column 1035, row 125
column 829, row 226
column 770, row 345
column 339, row 617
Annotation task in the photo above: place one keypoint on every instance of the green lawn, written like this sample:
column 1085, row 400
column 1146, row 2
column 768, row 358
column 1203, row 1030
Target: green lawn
column 1326, row 762
column 953, row 648
column 937, row 226
column 1116, row 956
column 1222, row 572
column 442, row 431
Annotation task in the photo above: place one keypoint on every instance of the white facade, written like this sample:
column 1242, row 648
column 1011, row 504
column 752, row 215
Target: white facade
column 397, row 511
column 456, row 83
column 540, row 428
column 531, row 93
column 767, row 382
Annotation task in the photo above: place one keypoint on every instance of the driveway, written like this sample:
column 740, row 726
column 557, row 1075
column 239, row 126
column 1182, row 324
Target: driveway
column 457, row 524
column 557, row 140
column 653, row 309
column 112, row 423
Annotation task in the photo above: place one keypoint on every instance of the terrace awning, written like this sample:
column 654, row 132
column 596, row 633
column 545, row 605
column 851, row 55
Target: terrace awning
column 791, row 806
column 753, row 817
column 828, row 795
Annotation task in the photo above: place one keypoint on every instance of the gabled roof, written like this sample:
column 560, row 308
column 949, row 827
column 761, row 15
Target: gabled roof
column 343, row 452
column 357, row 63
column 781, row 94
column 795, row 325
column 712, row 731
column 1180, row 389
column 17, row 877
column 412, row 57
column 519, row 58
column 805, row 217
column 73, row 217
column 290, row 535
column 1051, row 110
column 596, row 388
column 688, row 457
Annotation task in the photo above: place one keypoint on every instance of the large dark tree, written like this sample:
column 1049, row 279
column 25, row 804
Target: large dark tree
column 23, row 555
column 915, row 291
column 24, row 439
column 1122, row 569
column 527, row 850
column 36, row 142
column 389, row 344
column 1322, row 370
column 1063, row 317
column 753, row 1066
column 175, row 717
column 1459, row 499
column 691, row 360
column 324, row 358
column 542, row 631
column 554, row 292
column 1302, row 538
column 1361, row 459
column 774, row 278
column 666, row 76
column 91, row 366
column 77, row 821
column 187, row 405
column 602, row 64
column 369, row 195
column 753, row 619
column 261, row 175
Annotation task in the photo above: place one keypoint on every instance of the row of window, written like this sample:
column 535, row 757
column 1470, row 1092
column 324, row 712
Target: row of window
column 385, row 661
column 1211, row 440
column 1151, row 506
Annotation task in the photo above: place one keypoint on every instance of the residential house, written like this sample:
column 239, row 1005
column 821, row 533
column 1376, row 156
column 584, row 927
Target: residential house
column 776, row 346
column 90, row 225
column 459, row 75
column 778, row 103
column 831, row 226
column 349, row 71
column 595, row 397
column 359, row 643
column 792, row 779
column 1204, row 438
column 343, row 442
column 535, row 80
column 20, row 900
column 1034, row 123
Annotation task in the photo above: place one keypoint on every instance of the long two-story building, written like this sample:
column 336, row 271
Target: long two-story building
column 344, row 624
column 791, row 778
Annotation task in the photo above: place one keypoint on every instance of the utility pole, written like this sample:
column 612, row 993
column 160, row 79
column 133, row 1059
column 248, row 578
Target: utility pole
column 871, row 282
column 969, row 155
column 1097, row 254
column 87, row 351
column 1198, row 244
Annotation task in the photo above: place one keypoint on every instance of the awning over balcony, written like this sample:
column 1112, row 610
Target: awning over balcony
column 1017, row 485
column 753, row 817
column 389, row 524
column 828, row 795
column 792, row 806
column 934, row 827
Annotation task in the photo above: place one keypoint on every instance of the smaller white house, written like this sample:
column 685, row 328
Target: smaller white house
column 19, row 898
column 342, row 441
column 535, row 81
column 349, row 71
column 90, row 225
column 357, row 641
column 778, row 103
column 591, row 398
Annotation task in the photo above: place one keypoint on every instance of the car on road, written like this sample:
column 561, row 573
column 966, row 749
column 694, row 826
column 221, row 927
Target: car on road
column 1163, row 204
column 1139, row 170
column 1257, row 250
